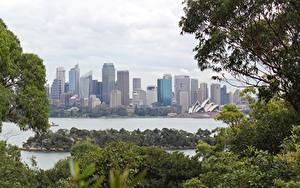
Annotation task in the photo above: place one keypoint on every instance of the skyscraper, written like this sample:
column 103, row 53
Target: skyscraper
column 164, row 91
column 184, row 100
column 56, row 89
column 115, row 98
column 151, row 95
column 108, row 81
column 236, row 97
column 182, row 83
column 94, row 102
column 123, row 86
column 74, row 76
column 61, row 75
column 224, row 95
column 96, row 89
column 139, row 97
column 202, row 92
column 85, row 85
column 168, row 77
column 194, row 90
column 67, row 87
column 215, row 94
column 136, row 84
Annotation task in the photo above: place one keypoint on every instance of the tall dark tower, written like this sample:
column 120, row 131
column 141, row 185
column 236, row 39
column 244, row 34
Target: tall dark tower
column 108, row 81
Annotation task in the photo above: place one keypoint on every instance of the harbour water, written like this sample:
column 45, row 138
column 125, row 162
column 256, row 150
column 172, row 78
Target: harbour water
column 46, row 160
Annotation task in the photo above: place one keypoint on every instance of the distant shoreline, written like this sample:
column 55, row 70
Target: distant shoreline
column 61, row 150
column 179, row 116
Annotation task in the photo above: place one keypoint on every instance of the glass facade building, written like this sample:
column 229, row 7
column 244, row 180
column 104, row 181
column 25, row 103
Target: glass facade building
column 74, row 76
column 164, row 91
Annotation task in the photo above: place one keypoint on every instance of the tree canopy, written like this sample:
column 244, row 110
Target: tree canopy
column 22, row 85
column 257, row 42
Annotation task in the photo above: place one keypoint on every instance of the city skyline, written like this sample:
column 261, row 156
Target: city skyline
column 143, row 82
column 99, row 35
column 114, row 90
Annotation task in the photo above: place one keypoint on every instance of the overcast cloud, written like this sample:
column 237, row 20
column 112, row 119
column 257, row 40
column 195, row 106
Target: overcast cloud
column 141, row 36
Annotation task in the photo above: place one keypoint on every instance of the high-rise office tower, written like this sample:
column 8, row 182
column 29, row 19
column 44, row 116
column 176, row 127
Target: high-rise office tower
column 194, row 90
column 164, row 91
column 168, row 77
column 136, row 84
column 224, row 95
column 202, row 92
column 151, row 95
column 108, row 81
column 67, row 87
column 115, row 98
column 215, row 93
column 182, row 83
column 94, row 102
column 236, row 97
column 61, row 75
column 74, row 76
column 139, row 97
column 184, row 100
column 96, row 89
column 85, row 85
column 123, row 86
column 56, row 91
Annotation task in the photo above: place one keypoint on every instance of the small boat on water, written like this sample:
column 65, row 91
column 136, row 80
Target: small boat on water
column 52, row 124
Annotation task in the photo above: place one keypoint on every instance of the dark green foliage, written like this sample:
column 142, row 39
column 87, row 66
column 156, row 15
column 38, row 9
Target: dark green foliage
column 268, row 124
column 259, row 150
column 256, row 41
column 13, row 173
column 166, row 138
column 157, row 167
column 22, row 79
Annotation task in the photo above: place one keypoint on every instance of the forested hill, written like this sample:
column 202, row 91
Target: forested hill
column 64, row 139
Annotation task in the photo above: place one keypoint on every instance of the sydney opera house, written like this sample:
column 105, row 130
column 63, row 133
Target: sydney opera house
column 204, row 107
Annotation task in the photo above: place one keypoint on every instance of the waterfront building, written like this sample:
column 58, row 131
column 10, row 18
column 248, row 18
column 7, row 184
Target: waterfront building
column 94, row 102
column 215, row 93
column 96, row 89
column 60, row 75
column 236, row 97
column 164, row 91
column 202, row 92
column 65, row 99
column 56, row 89
column 74, row 76
column 194, row 90
column 123, row 86
column 182, row 83
column 151, row 95
column 108, row 81
column 115, row 98
column 184, row 101
column 67, row 87
column 169, row 77
column 85, row 85
column 136, row 84
column 224, row 95
column 139, row 98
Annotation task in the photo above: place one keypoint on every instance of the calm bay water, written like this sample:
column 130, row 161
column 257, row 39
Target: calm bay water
column 13, row 135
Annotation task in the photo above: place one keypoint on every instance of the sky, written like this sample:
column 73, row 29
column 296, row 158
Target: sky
column 141, row 36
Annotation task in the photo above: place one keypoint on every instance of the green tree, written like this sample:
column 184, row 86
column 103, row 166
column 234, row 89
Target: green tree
column 13, row 173
column 231, row 115
column 22, row 85
column 257, row 42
